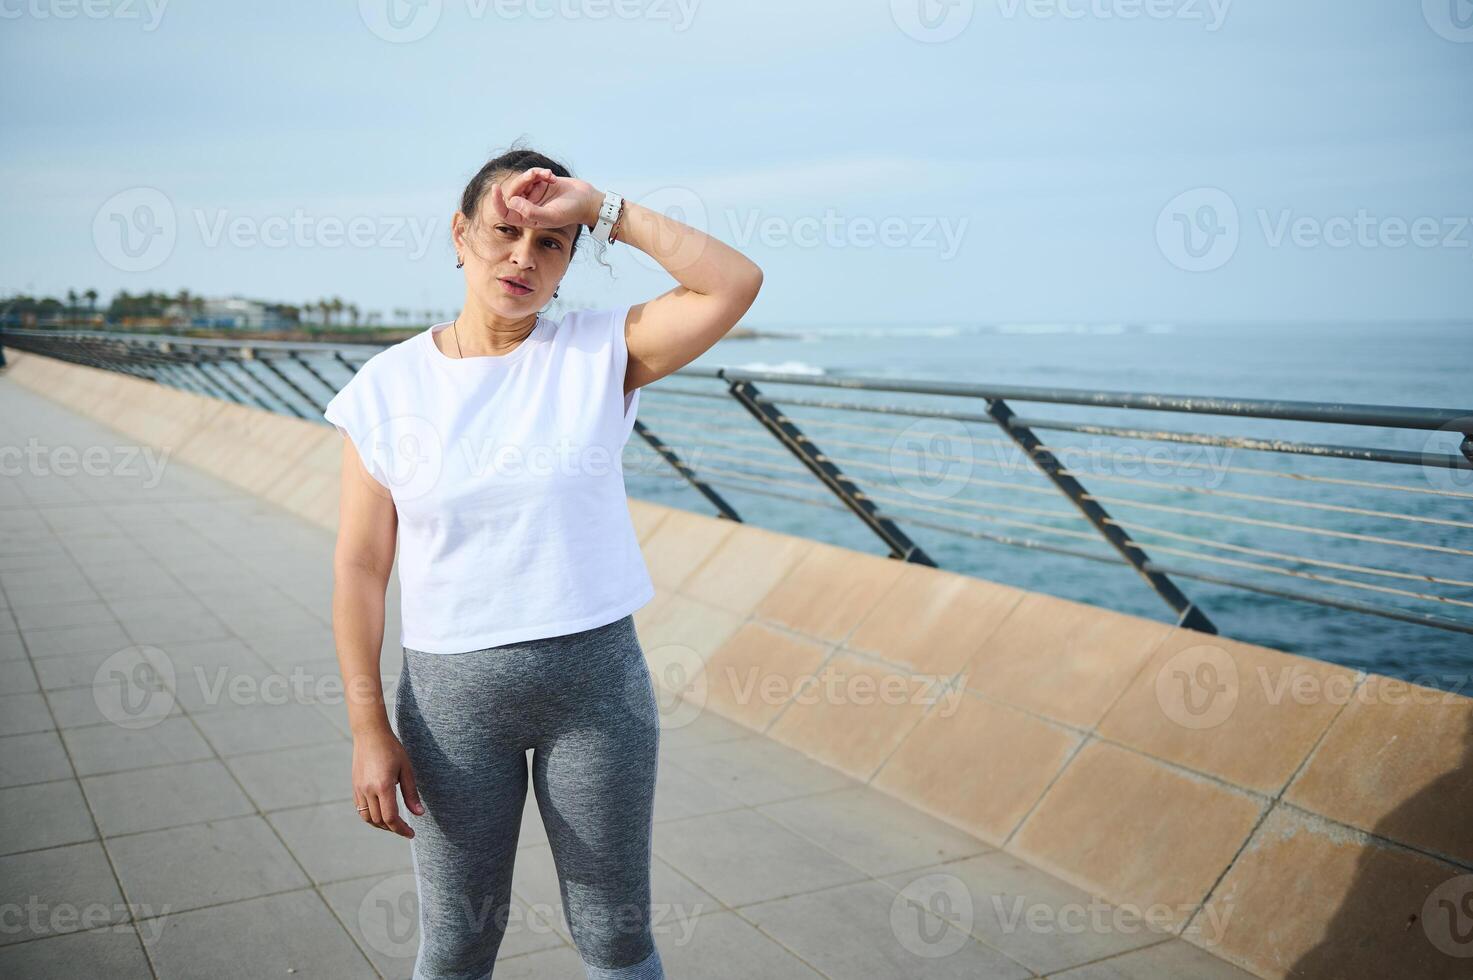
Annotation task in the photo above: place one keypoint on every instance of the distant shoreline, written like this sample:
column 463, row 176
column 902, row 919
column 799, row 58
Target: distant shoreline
column 382, row 335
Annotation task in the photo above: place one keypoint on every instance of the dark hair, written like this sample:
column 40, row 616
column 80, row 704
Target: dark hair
column 513, row 161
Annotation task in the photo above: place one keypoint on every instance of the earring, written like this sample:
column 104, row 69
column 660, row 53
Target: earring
column 459, row 262
column 554, row 294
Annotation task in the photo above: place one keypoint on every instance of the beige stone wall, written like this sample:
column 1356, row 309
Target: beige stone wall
column 1293, row 817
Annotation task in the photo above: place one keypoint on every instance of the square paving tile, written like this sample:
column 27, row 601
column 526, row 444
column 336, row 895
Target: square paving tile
column 298, row 776
column 1038, row 920
column 115, row 953
column 1171, row 960
column 164, row 796
column 20, row 713
column 43, row 815
column 100, row 749
column 873, row 831
column 294, row 934
column 333, row 843
column 741, row 857
column 168, row 871
column 33, row 758
column 758, row 770
column 258, row 727
column 860, row 931
column 59, row 890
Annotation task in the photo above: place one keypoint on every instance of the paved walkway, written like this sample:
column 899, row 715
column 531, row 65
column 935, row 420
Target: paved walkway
column 175, row 796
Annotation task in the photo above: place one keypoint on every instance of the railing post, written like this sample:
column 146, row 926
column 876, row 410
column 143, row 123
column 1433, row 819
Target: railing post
column 1188, row 613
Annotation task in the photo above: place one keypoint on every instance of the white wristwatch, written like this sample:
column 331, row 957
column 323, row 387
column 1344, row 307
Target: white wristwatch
column 607, row 215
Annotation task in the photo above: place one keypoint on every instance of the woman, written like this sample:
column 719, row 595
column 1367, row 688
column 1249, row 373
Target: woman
column 491, row 447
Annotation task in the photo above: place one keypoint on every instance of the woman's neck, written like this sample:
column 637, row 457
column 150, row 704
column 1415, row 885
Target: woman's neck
column 481, row 332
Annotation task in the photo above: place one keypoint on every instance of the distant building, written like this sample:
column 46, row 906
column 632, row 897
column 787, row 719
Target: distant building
column 230, row 313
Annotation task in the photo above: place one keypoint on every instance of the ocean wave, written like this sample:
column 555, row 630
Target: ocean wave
column 782, row 367
column 874, row 333
column 1039, row 329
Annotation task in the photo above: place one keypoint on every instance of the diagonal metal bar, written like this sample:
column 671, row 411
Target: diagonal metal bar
column 265, row 362
column 723, row 509
column 1189, row 615
column 819, row 464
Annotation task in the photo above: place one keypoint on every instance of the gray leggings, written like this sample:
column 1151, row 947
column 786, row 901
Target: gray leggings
column 584, row 703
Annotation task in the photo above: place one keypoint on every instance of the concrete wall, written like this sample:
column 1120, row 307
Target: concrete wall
column 1293, row 817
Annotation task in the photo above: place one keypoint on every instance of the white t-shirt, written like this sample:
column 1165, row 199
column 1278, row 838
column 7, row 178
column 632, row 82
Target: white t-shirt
column 508, row 479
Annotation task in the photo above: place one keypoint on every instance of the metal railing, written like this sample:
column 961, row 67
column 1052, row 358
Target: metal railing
column 817, row 442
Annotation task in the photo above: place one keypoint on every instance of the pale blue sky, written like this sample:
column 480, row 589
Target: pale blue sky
column 1028, row 169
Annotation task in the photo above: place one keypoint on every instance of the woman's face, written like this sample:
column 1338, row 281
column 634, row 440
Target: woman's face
column 501, row 258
